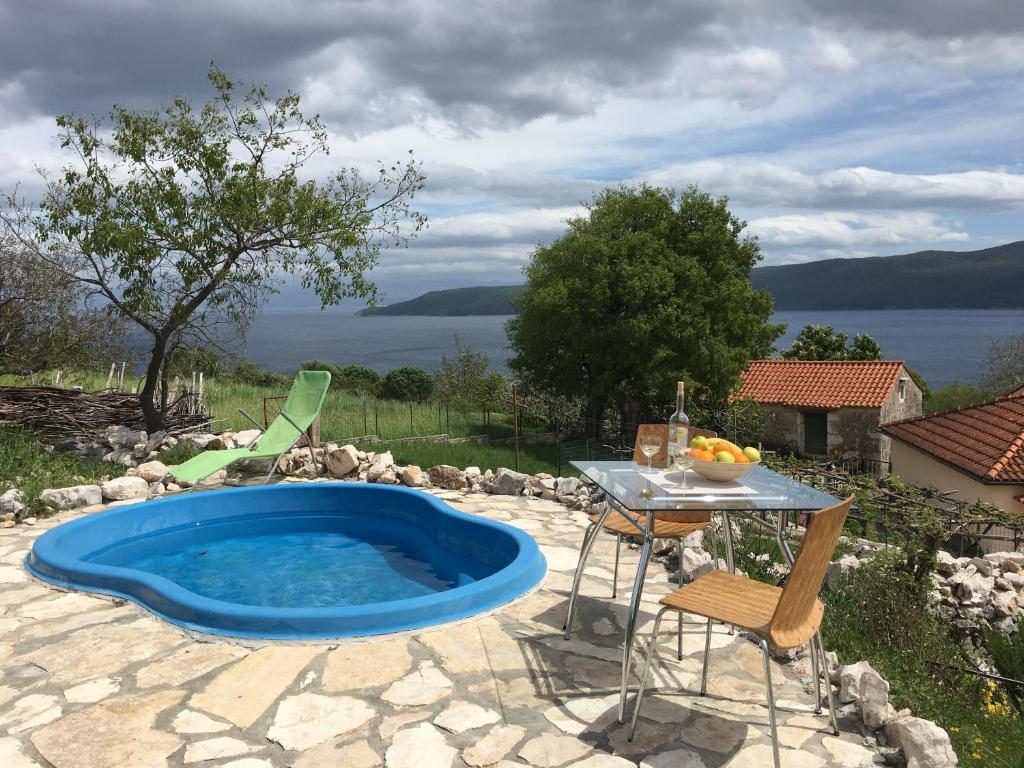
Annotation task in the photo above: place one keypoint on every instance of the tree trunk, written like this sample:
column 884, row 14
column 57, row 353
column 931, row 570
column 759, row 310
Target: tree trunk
column 151, row 411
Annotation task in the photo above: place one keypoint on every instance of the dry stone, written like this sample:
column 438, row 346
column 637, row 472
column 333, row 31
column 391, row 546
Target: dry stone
column 424, row 686
column 383, row 463
column 412, row 476
column 347, row 669
column 113, row 732
column 309, row 719
column 245, row 690
column 342, row 461
column 924, row 744
column 422, row 746
column 12, row 756
column 550, row 750
column 507, row 482
column 462, row 716
column 72, row 497
column 498, row 742
column 127, row 487
column 216, row 749
column 447, row 476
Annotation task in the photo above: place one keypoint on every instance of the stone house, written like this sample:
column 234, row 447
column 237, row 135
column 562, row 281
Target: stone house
column 831, row 407
column 976, row 451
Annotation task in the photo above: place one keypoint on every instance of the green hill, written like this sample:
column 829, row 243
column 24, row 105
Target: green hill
column 455, row 302
column 992, row 278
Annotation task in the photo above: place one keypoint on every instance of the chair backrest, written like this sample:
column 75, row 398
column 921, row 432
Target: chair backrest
column 797, row 615
column 661, row 457
column 305, row 399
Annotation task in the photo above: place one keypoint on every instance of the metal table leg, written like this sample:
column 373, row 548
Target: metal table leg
column 588, row 543
column 729, row 561
column 634, row 608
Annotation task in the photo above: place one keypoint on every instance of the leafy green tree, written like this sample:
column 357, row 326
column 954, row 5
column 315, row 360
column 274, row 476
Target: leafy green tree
column 646, row 288
column 407, row 383
column 955, row 395
column 466, row 377
column 248, row 373
column 351, row 378
column 183, row 219
column 822, row 342
column 185, row 360
column 1004, row 367
column 46, row 321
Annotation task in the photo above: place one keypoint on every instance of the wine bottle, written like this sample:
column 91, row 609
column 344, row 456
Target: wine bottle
column 678, row 428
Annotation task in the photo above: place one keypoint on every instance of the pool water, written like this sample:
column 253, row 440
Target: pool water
column 294, row 561
column 309, row 569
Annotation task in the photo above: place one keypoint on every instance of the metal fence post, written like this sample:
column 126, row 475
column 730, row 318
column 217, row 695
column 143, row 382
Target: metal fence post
column 411, row 430
column 515, row 424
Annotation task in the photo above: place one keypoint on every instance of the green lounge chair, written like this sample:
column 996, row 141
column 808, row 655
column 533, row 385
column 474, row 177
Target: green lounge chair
column 300, row 409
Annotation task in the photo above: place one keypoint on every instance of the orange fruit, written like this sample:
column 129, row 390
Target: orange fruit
column 702, row 455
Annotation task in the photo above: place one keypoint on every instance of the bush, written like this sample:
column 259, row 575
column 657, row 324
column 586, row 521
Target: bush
column 1008, row 655
column 407, row 383
column 357, row 379
column 185, row 360
column 880, row 613
column 247, row 373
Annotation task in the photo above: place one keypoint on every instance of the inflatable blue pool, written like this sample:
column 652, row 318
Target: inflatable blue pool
column 294, row 560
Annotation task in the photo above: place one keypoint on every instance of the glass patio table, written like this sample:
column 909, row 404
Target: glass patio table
column 633, row 490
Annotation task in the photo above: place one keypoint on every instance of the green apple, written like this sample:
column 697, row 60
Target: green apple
column 725, row 457
column 752, row 453
column 700, row 443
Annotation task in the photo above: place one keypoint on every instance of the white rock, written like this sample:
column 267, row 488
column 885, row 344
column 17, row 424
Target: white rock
column 446, row 476
column 419, row 688
column 189, row 721
column 12, row 502
column 213, row 749
column 309, row 719
column 121, row 437
column 974, row 589
column 849, row 681
column 342, row 461
column 462, row 716
column 924, row 744
column 984, row 566
column 245, row 437
column 92, row 691
column 1015, row 580
column 421, row 746
column 412, row 476
column 151, row 471
column 472, row 472
column 121, row 488
column 381, row 463
column 1004, row 603
column 507, row 482
column 838, row 569
column 694, row 563
column 565, row 486
column 874, row 699
column 72, row 497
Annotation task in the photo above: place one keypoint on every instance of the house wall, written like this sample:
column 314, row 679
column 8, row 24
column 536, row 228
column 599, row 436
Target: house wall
column 852, row 432
column 918, row 468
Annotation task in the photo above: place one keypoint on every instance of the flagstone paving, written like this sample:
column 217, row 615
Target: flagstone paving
column 90, row 682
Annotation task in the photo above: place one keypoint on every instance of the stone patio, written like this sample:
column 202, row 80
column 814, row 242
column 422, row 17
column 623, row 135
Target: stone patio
column 93, row 683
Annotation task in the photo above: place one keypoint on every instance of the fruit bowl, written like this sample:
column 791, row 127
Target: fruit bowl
column 720, row 471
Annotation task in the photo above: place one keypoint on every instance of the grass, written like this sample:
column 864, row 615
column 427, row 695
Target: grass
column 25, row 465
column 343, row 416
column 533, row 458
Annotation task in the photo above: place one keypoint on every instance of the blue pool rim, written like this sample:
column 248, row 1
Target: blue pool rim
column 58, row 558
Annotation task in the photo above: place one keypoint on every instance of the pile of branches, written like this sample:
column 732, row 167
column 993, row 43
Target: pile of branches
column 69, row 414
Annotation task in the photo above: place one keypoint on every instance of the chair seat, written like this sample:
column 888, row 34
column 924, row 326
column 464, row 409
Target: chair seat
column 663, row 529
column 741, row 602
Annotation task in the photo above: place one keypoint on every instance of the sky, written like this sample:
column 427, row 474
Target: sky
column 836, row 129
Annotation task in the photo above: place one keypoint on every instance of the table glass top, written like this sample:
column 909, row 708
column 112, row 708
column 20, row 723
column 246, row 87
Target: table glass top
column 759, row 489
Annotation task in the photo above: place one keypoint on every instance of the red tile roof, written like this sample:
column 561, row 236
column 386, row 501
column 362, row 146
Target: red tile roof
column 985, row 441
column 821, row 383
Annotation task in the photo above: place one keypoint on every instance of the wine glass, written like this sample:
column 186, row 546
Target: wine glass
column 684, row 461
column 650, row 444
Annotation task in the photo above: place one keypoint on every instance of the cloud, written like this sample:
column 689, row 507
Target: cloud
column 763, row 183
column 855, row 231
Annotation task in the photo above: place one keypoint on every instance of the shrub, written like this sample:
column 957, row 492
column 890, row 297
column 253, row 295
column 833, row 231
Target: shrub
column 247, row 373
column 407, row 383
column 357, row 379
column 1008, row 655
column 185, row 360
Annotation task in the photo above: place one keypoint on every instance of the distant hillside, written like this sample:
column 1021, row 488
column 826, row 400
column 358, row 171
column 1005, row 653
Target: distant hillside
column 992, row 278
column 455, row 302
